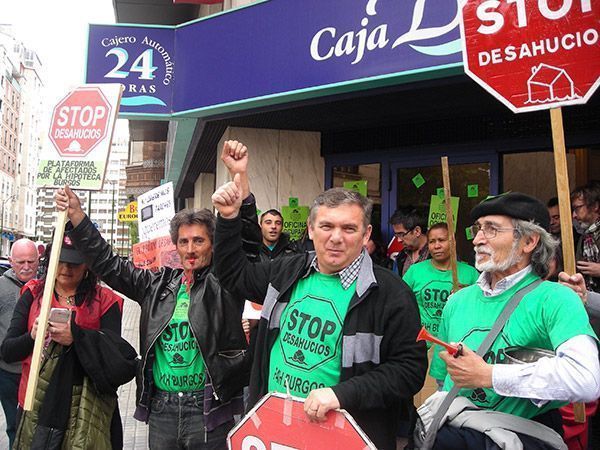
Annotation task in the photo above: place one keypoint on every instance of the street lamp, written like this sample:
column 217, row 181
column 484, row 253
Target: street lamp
column 2, row 222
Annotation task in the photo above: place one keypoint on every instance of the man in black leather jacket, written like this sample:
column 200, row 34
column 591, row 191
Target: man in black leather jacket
column 192, row 345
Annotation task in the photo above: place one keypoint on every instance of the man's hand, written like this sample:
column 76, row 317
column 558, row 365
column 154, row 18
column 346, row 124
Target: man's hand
column 228, row 199
column 67, row 200
column 235, row 157
column 591, row 269
column 575, row 282
column 60, row 333
column 468, row 370
column 34, row 328
column 318, row 402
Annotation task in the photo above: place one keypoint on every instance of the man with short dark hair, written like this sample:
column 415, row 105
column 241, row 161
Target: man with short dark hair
column 334, row 329
column 275, row 243
column 513, row 250
column 585, row 203
column 193, row 364
column 24, row 260
column 410, row 228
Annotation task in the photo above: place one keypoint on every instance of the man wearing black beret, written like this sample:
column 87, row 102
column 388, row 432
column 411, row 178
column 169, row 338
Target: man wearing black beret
column 512, row 250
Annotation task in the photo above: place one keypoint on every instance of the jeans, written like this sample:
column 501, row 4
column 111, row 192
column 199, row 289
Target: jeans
column 9, row 387
column 177, row 422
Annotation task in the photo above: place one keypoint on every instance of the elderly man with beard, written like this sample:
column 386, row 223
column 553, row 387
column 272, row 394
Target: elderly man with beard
column 513, row 250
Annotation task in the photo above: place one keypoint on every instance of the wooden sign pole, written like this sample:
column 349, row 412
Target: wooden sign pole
column 450, row 222
column 36, row 358
column 564, row 207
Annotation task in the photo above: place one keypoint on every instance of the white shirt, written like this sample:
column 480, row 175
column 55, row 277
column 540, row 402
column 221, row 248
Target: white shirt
column 573, row 375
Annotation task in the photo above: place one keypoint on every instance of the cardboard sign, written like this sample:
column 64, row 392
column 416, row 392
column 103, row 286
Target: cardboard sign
column 81, row 128
column 437, row 210
column 129, row 214
column 156, row 253
column 156, row 208
column 294, row 220
column 359, row 186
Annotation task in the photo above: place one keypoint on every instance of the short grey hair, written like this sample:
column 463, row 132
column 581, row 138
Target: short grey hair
column 192, row 217
column 545, row 250
column 334, row 197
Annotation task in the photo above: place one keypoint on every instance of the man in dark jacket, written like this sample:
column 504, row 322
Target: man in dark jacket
column 24, row 260
column 192, row 344
column 334, row 328
column 275, row 243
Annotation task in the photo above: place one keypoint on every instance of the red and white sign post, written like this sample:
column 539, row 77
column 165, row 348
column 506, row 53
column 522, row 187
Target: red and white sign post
column 278, row 422
column 533, row 55
column 80, row 135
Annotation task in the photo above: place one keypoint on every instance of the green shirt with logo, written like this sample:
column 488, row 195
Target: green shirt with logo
column 178, row 364
column 307, row 353
column 545, row 318
column 433, row 286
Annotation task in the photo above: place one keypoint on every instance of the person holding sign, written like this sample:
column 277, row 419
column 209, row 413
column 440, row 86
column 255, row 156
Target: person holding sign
column 585, row 203
column 193, row 349
column 335, row 329
column 513, row 250
column 431, row 280
column 72, row 377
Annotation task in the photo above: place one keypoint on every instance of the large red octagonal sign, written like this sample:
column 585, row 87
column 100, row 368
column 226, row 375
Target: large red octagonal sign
column 80, row 121
column 278, row 422
column 533, row 54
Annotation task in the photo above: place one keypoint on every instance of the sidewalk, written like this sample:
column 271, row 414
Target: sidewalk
column 135, row 434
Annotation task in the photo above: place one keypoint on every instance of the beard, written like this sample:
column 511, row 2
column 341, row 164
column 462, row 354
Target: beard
column 492, row 265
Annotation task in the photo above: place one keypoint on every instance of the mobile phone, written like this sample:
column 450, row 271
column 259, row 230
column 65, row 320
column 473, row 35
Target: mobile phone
column 59, row 315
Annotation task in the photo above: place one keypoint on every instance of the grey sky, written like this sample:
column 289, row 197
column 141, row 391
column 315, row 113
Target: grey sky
column 57, row 30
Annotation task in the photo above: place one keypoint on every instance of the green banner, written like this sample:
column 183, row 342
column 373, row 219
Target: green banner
column 437, row 210
column 359, row 186
column 294, row 220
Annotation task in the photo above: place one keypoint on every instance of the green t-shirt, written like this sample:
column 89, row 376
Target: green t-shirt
column 432, row 287
column 545, row 318
column 178, row 364
column 308, row 350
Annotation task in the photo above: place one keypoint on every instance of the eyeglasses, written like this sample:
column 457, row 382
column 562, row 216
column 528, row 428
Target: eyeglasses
column 402, row 234
column 574, row 208
column 489, row 231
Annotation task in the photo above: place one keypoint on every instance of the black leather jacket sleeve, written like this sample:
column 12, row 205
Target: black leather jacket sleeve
column 120, row 275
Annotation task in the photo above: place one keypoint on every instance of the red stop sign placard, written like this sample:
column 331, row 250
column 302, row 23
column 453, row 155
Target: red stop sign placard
column 533, row 54
column 80, row 121
column 279, row 423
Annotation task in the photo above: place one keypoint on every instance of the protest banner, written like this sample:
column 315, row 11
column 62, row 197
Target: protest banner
column 531, row 57
column 156, row 208
column 80, row 134
column 156, row 253
column 278, row 422
column 76, row 154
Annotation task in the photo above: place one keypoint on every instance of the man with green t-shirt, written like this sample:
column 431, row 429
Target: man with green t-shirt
column 431, row 280
column 193, row 349
column 334, row 328
column 512, row 250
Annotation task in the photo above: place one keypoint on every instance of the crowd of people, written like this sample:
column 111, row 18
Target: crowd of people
column 338, row 325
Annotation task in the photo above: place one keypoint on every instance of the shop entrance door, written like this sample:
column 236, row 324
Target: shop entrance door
column 414, row 183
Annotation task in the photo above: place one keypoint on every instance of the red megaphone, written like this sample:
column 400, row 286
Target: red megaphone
column 424, row 335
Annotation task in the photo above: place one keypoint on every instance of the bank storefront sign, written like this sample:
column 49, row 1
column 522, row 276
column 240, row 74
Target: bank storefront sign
column 274, row 51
